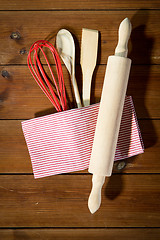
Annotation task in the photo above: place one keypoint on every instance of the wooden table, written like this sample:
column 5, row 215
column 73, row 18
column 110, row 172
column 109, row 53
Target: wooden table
column 56, row 207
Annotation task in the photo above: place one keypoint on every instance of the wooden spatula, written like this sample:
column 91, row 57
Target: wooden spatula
column 89, row 47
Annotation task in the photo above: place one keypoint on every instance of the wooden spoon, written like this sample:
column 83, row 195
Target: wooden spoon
column 66, row 48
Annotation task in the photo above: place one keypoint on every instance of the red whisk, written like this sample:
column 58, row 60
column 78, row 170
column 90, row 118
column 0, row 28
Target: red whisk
column 37, row 71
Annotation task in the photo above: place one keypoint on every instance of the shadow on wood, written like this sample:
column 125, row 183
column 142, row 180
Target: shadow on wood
column 114, row 187
column 142, row 49
column 93, row 98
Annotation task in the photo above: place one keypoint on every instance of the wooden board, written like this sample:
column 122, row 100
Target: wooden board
column 80, row 234
column 35, row 25
column 127, row 201
column 14, row 157
column 21, row 98
column 56, row 207
column 83, row 4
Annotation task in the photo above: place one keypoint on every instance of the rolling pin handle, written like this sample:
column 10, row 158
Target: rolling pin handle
column 124, row 35
column 94, row 200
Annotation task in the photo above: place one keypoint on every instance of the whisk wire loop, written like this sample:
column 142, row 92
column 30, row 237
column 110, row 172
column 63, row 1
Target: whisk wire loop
column 37, row 71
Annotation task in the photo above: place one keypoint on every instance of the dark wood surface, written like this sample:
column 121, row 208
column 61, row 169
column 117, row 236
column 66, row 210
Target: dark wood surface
column 80, row 234
column 78, row 5
column 22, row 99
column 56, row 207
column 127, row 201
column 32, row 25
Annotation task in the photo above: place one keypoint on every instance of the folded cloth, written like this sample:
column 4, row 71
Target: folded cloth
column 62, row 142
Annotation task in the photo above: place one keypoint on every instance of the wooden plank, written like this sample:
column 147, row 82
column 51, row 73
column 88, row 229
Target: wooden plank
column 21, row 98
column 80, row 234
column 34, row 25
column 83, row 4
column 14, row 157
column 14, row 150
column 61, row 201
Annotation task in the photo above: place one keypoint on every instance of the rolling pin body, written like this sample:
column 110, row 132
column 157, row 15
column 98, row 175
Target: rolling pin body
column 109, row 117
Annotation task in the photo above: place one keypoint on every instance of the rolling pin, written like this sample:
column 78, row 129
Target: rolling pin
column 109, row 116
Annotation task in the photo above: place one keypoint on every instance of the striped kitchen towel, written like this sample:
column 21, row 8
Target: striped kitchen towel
column 62, row 142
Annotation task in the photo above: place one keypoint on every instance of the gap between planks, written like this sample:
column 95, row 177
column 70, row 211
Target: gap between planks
column 54, row 228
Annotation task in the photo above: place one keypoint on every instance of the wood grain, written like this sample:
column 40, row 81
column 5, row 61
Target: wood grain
column 34, row 25
column 80, row 234
column 61, row 201
column 56, row 207
column 14, row 157
column 83, row 4
column 21, row 98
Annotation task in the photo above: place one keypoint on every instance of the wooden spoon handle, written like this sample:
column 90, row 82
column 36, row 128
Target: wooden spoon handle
column 76, row 91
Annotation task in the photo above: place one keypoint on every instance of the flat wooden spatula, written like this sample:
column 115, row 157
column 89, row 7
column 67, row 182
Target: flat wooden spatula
column 89, row 47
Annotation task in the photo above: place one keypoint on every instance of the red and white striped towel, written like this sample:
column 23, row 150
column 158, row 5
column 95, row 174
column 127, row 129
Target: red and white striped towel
column 62, row 142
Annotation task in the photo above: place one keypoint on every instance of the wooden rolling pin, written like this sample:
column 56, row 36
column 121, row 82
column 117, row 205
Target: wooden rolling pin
column 109, row 116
